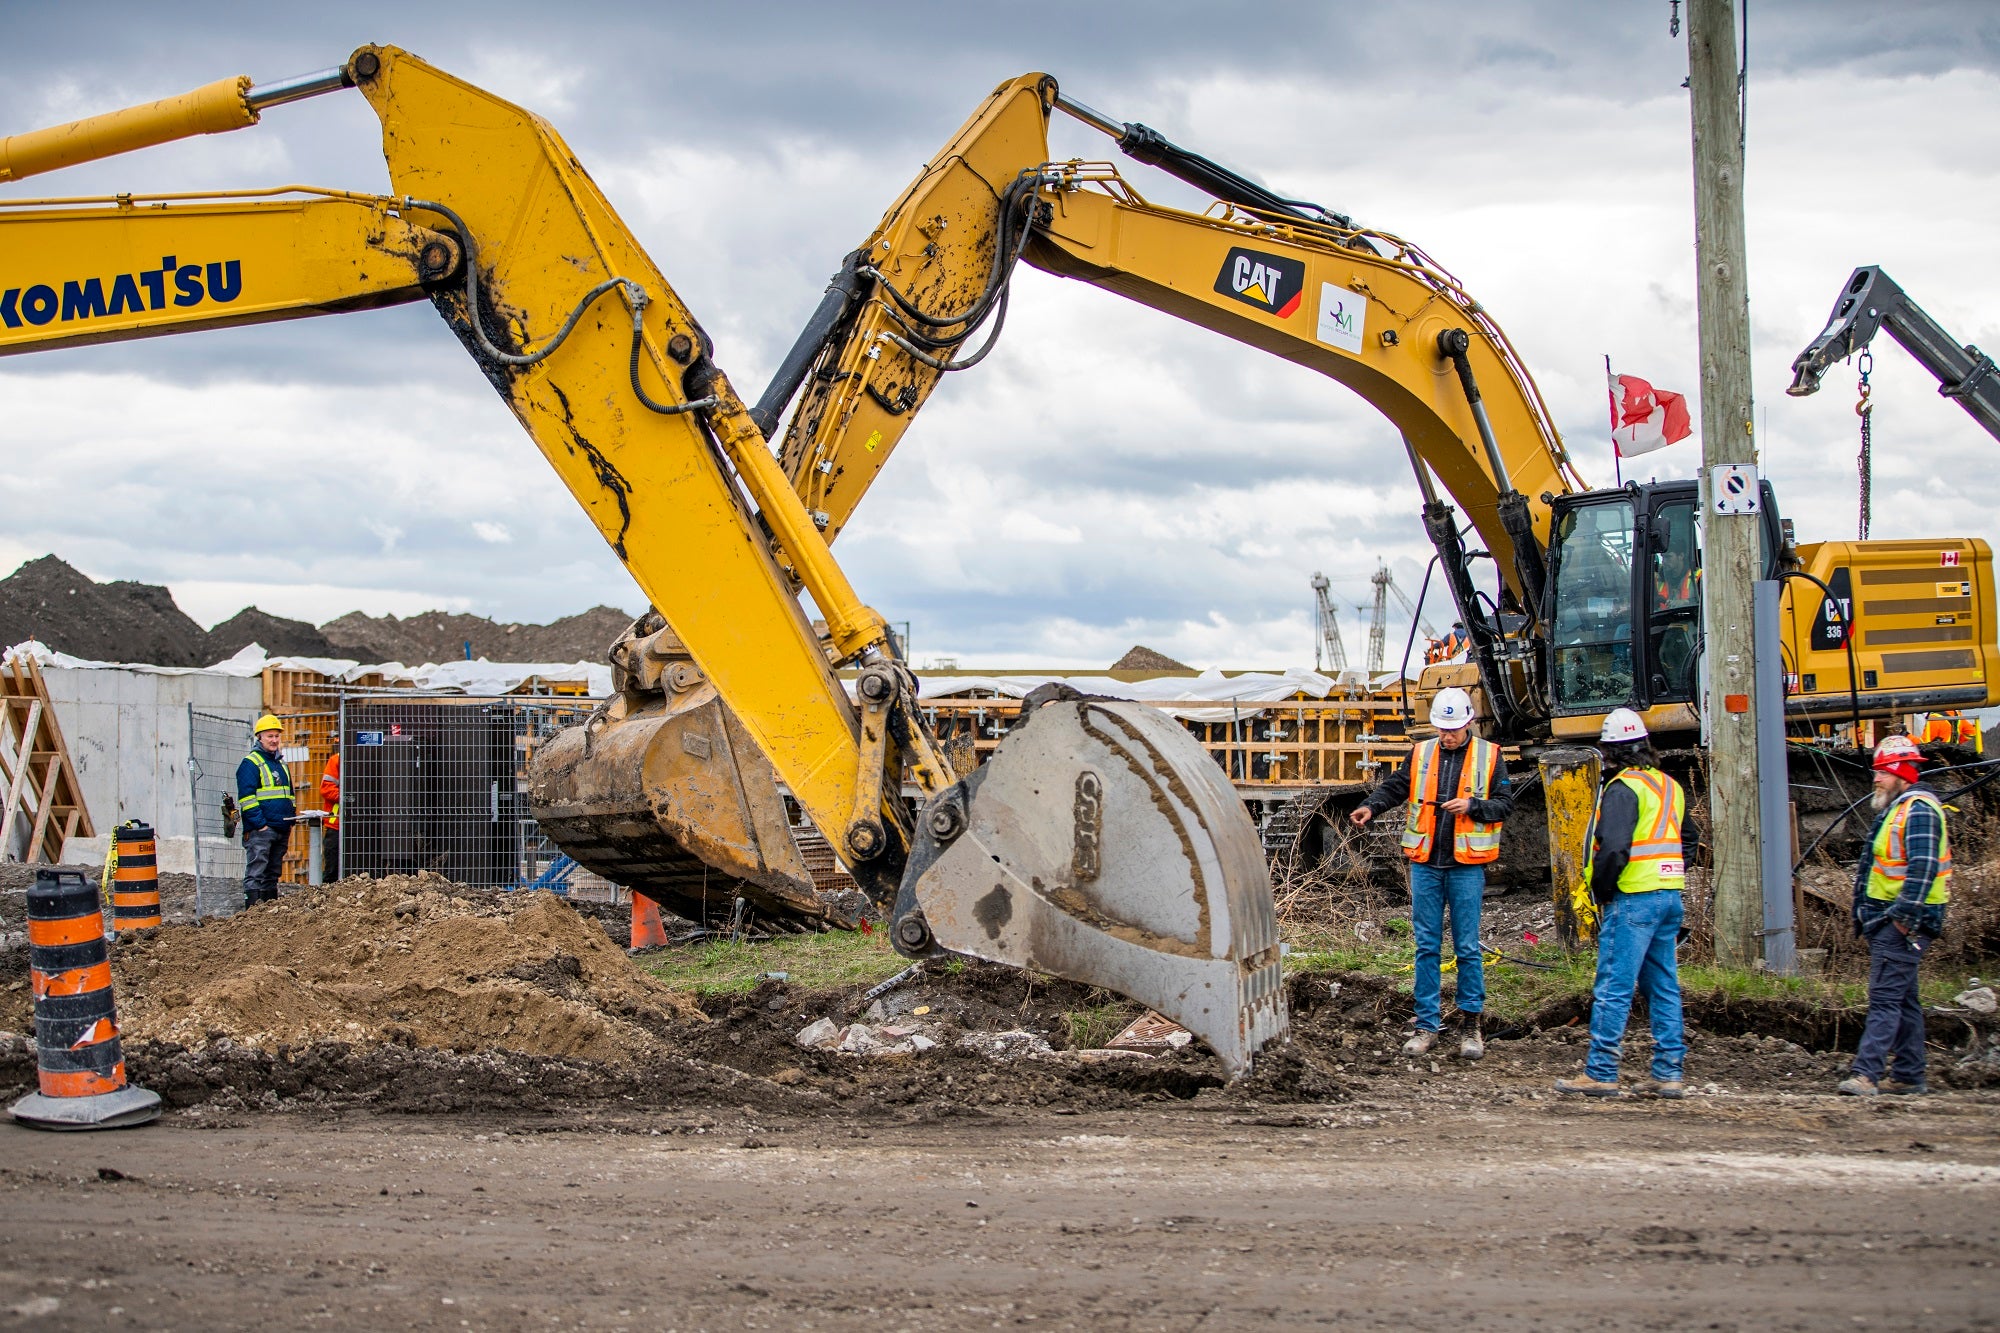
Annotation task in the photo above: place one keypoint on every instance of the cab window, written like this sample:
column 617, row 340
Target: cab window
column 1591, row 648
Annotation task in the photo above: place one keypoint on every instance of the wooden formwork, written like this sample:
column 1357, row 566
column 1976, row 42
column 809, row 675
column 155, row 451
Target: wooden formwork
column 37, row 779
column 1283, row 746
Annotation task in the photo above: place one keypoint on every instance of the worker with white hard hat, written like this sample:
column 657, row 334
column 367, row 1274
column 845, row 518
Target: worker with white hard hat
column 1637, row 868
column 1449, row 844
column 1900, row 891
column 264, row 796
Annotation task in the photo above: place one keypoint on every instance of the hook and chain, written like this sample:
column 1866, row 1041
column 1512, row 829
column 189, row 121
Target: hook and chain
column 1865, row 409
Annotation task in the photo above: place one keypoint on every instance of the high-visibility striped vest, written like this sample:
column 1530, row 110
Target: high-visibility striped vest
column 329, row 790
column 1892, row 852
column 1473, row 842
column 1656, row 862
column 272, row 783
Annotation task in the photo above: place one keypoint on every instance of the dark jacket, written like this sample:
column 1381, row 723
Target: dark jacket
column 1923, row 836
column 1617, row 821
column 1394, row 791
column 273, row 812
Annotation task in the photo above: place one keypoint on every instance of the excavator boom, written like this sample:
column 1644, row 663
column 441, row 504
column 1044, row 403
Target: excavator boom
column 1872, row 301
column 728, row 684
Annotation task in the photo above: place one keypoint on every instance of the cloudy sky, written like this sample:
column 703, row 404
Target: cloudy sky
column 1108, row 476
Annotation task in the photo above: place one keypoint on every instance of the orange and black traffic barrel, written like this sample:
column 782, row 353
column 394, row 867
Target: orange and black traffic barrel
column 79, row 1059
column 135, row 887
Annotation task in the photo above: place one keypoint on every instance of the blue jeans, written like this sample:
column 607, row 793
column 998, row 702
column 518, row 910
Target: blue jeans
column 1895, row 1033
column 1635, row 949
column 1431, row 889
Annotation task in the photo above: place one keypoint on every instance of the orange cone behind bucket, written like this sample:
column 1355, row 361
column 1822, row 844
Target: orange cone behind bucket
column 648, row 931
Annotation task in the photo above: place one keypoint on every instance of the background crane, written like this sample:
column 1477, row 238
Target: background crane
column 1329, row 653
column 1378, row 621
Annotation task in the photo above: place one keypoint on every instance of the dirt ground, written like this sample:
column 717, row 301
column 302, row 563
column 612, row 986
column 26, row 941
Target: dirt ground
column 1726, row 1212
column 404, row 1104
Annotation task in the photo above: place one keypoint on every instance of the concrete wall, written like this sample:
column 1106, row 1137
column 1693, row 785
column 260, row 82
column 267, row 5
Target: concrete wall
column 127, row 733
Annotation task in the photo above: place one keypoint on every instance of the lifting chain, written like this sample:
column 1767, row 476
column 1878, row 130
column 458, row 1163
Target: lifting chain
column 1865, row 409
column 1674, row 19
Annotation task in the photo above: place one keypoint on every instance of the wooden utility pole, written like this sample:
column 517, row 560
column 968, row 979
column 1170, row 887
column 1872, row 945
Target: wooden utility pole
column 1730, row 544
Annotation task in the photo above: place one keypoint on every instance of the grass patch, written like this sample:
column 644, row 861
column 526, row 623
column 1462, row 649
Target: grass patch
column 1514, row 991
column 813, row 962
column 1092, row 1026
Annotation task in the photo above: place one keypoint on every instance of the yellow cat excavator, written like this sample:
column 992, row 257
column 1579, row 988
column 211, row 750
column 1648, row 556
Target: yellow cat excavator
column 1099, row 844
column 1596, row 604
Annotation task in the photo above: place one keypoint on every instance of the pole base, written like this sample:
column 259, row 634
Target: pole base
column 122, row 1109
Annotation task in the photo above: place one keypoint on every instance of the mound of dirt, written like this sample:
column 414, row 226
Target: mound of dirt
column 1141, row 658
column 46, row 599
column 411, row 961
column 278, row 636
column 435, row 636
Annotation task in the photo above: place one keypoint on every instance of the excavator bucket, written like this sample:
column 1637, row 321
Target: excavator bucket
column 1102, row 844
column 673, row 799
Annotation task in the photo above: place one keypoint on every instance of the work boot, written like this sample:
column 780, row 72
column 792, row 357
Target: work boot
column 1421, row 1043
column 1671, row 1088
column 1471, row 1045
column 1858, row 1085
column 1896, row 1087
column 1589, row 1087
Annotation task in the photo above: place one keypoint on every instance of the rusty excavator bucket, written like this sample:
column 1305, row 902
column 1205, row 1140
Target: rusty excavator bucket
column 664, row 791
column 1101, row 843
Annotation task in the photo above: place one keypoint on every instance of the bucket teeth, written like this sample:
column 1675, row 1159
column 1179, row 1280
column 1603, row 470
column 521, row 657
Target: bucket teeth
column 1102, row 844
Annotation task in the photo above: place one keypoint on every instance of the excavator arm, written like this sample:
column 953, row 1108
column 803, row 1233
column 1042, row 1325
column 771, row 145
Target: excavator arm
column 1872, row 301
column 1099, row 844
column 926, row 292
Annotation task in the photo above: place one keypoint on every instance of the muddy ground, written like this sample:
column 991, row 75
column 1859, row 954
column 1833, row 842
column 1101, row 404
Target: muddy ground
column 403, row 1104
column 1733, row 1211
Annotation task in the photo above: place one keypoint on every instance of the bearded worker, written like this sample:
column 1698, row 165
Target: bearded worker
column 1900, row 891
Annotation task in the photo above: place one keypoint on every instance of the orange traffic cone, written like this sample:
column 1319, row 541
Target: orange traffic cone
column 79, row 1058
column 648, row 931
column 135, row 892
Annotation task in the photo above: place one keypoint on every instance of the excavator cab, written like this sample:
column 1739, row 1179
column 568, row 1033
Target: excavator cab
column 1624, row 590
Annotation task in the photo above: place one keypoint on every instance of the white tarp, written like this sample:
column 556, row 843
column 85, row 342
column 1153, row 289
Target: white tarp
column 1232, row 692
column 477, row 677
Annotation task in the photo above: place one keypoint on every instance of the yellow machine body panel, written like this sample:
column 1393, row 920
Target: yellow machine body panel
column 1922, row 616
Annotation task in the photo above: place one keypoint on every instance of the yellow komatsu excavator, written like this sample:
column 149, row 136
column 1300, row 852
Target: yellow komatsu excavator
column 1100, row 844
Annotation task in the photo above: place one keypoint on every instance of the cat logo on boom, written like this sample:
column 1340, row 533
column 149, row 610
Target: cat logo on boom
column 1272, row 283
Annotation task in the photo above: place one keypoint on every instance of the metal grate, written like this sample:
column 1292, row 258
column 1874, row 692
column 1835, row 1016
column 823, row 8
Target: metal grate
column 217, row 742
column 437, row 783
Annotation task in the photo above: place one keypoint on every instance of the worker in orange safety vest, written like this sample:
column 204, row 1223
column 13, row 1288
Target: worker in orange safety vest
column 1454, row 793
column 329, row 801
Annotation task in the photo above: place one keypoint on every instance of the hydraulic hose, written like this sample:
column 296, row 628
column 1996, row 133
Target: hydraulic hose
column 634, row 293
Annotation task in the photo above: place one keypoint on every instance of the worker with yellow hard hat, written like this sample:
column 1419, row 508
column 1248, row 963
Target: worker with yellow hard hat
column 264, row 796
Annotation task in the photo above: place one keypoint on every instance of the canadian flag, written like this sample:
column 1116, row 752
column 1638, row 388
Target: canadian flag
column 1644, row 418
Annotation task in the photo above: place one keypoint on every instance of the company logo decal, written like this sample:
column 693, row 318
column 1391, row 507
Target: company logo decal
column 129, row 293
column 1272, row 283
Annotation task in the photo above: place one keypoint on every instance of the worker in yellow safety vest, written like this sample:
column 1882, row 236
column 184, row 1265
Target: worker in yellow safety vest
column 1449, row 843
column 264, row 796
column 1901, row 887
column 1637, row 867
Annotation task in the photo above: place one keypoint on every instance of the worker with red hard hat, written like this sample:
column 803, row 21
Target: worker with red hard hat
column 1901, row 887
column 1637, row 868
column 1454, row 793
